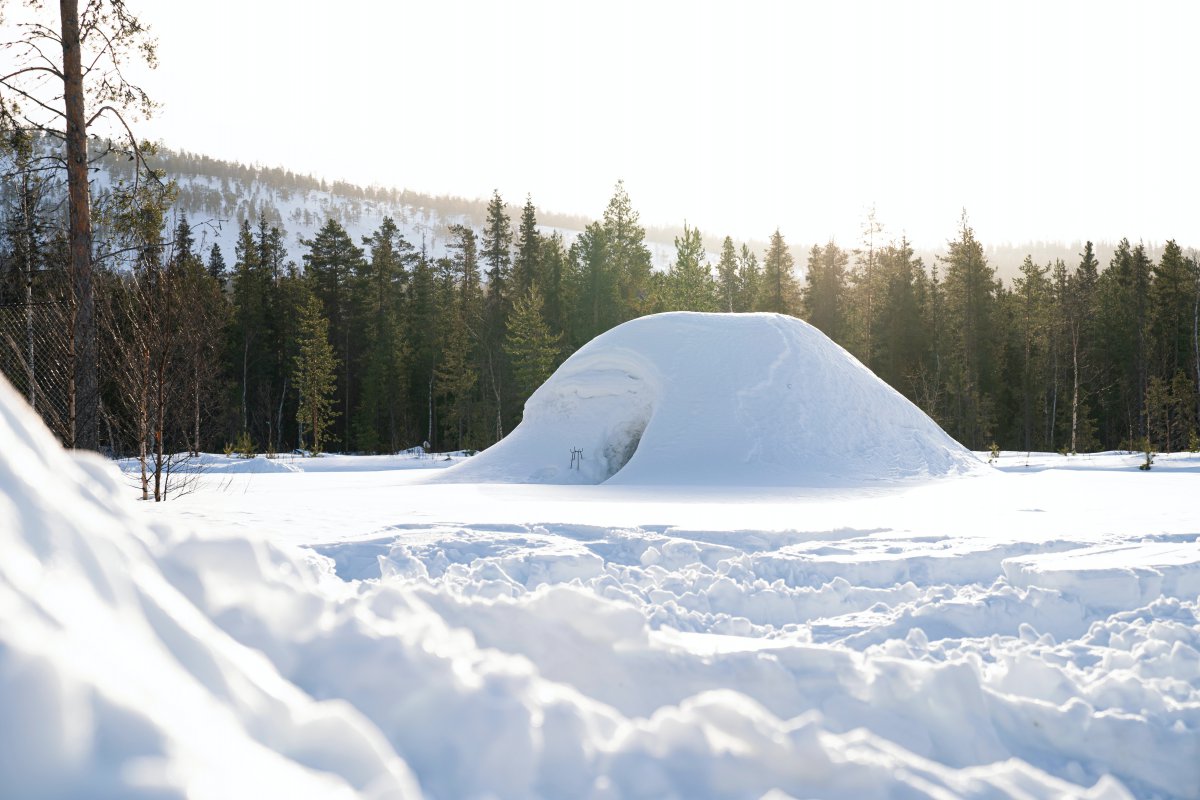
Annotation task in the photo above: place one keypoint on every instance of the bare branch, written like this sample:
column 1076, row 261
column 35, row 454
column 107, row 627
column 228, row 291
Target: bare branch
column 5, row 79
column 31, row 98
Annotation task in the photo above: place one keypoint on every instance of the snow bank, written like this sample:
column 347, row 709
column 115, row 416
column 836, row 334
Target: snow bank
column 717, row 399
column 113, row 684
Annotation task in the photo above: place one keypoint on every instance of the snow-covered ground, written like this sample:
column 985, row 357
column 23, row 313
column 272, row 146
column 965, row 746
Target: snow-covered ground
column 350, row 626
column 1034, row 632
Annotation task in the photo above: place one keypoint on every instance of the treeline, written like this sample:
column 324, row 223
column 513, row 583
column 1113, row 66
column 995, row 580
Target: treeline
column 1070, row 357
column 374, row 345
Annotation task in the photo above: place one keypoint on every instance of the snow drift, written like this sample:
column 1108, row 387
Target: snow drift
column 114, row 684
column 717, row 399
column 139, row 659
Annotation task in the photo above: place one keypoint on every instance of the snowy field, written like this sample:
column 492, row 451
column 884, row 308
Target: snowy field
column 382, row 627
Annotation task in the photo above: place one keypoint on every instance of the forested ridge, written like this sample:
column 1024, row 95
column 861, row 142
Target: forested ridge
column 380, row 345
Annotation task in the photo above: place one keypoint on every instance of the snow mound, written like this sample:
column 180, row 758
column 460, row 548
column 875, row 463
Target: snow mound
column 717, row 399
column 114, row 684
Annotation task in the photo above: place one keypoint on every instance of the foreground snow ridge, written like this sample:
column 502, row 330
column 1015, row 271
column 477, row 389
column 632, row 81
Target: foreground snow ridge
column 718, row 400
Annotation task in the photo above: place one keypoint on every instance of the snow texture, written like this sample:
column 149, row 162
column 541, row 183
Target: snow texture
column 718, row 399
column 348, row 627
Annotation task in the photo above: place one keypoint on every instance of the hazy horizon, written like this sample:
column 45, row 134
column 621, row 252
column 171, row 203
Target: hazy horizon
column 739, row 120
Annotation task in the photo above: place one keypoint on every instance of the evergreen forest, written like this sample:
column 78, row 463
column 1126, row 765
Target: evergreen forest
column 374, row 346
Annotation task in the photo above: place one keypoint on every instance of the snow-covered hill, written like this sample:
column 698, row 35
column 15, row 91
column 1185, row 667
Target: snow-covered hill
column 217, row 196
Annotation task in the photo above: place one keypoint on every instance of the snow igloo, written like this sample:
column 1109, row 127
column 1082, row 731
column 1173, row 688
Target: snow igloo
column 687, row 398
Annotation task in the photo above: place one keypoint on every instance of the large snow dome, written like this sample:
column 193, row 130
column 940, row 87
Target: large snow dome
column 717, row 399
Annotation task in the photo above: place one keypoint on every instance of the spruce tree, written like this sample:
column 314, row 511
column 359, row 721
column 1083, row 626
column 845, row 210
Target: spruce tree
column 689, row 283
column 531, row 345
column 902, row 340
column 555, row 282
column 626, row 254
column 727, row 277
column 1172, row 295
column 216, row 263
column 824, row 297
column 379, row 307
column 456, row 376
column 313, row 373
column 596, row 286
column 1124, row 333
column 1080, row 313
column 527, row 268
column 970, row 307
column 331, row 266
column 778, row 291
column 422, row 325
column 749, row 279
column 1032, row 296
column 253, row 336
column 863, row 293
column 465, row 279
column 472, row 325
column 497, row 256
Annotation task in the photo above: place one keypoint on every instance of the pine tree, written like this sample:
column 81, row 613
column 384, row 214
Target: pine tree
column 727, row 277
column 627, row 257
column 596, row 289
column 1171, row 299
column 1124, row 333
column 456, row 377
column 422, row 325
column 379, row 306
column 465, row 278
column 749, row 279
column 970, row 306
column 253, row 335
column 863, row 292
column 777, row 290
column 201, row 319
column 464, row 306
column 1080, row 315
column 313, row 373
column 1032, row 295
column 497, row 256
column 216, row 263
column 902, row 341
column 824, row 297
column 527, row 268
column 555, row 282
column 1182, row 411
column 331, row 266
column 689, row 283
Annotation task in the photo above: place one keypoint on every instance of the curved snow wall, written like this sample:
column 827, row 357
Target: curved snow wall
column 717, row 399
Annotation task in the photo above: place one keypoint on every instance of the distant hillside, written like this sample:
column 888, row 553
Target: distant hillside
column 217, row 196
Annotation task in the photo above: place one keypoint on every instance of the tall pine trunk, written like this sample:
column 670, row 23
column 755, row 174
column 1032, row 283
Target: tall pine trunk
column 85, row 430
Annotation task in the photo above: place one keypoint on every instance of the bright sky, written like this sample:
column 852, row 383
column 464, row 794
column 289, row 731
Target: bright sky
column 1045, row 120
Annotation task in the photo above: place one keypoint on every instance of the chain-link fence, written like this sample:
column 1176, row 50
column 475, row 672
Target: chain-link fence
column 35, row 356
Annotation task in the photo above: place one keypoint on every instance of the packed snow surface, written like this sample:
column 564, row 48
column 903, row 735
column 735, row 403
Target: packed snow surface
column 717, row 399
column 344, row 627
